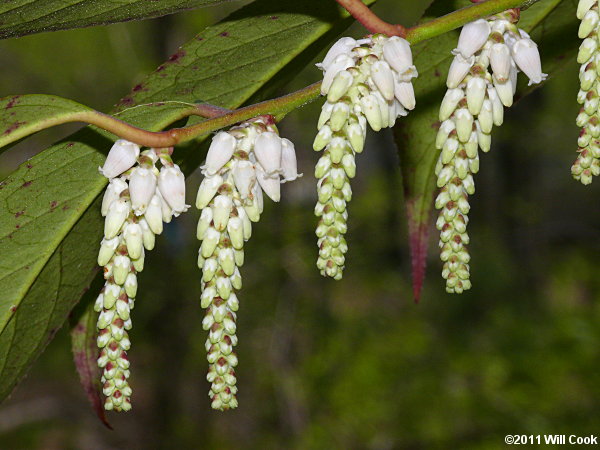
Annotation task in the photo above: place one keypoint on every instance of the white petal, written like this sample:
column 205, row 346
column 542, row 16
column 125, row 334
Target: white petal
column 397, row 53
column 142, row 186
column 219, row 153
column 267, row 149
column 527, row 57
column 472, row 37
column 121, row 157
column 171, row 183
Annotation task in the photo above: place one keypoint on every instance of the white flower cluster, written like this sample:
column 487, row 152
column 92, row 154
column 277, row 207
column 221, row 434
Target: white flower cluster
column 481, row 82
column 365, row 81
column 241, row 163
column 138, row 199
column 587, row 164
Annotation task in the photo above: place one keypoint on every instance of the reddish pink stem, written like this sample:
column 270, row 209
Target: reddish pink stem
column 369, row 19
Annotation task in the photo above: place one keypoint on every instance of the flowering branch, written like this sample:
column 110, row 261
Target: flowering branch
column 370, row 20
column 220, row 118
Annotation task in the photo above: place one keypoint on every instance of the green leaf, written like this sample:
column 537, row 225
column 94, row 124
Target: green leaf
column 23, row 115
column 415, row 135
column 49, row 226
column 23, row 17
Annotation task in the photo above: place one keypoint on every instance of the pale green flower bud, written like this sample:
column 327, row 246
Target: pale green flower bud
column 370, row 108
column 450, row 102
column 208, row 189
column 464, row 124
column 121, row 268
column 323, row 166
column 117, row 213
column 588, row 24
column 133, row 238
column 340, row 85
column 221, row 212
column 209, row 242
column 339, row 116
column 476, row 90
column 323, row 138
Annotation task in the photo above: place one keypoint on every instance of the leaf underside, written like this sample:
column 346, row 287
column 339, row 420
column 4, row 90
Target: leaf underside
column 415, row 134
column 50, row 226
column 85, row 352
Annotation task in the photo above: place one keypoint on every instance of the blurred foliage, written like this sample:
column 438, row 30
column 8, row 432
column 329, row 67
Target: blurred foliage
column 349, row 364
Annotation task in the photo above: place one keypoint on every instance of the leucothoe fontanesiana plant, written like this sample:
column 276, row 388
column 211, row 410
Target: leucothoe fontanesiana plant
column 482, row 81
column 367, row 83
column 241, row 164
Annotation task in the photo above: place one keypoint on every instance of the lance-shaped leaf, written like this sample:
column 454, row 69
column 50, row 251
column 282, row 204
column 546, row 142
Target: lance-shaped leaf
column 49, row 227
column 415, row 135
column 23, row 17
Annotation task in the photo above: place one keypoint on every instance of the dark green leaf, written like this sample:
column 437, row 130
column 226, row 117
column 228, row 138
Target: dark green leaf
column 22, row 17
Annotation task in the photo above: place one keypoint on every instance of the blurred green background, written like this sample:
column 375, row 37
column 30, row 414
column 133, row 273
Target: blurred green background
column 355, row 363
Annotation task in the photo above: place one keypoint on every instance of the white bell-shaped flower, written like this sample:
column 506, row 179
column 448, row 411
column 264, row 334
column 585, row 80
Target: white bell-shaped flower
column 244, row 177
column 171, row 183
column 267, row 149
column 142, row 186
column 527, row 57
column 219, row 153
column 121, row 157
column 289, row 163
column 397, row 53
column 472, row 37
